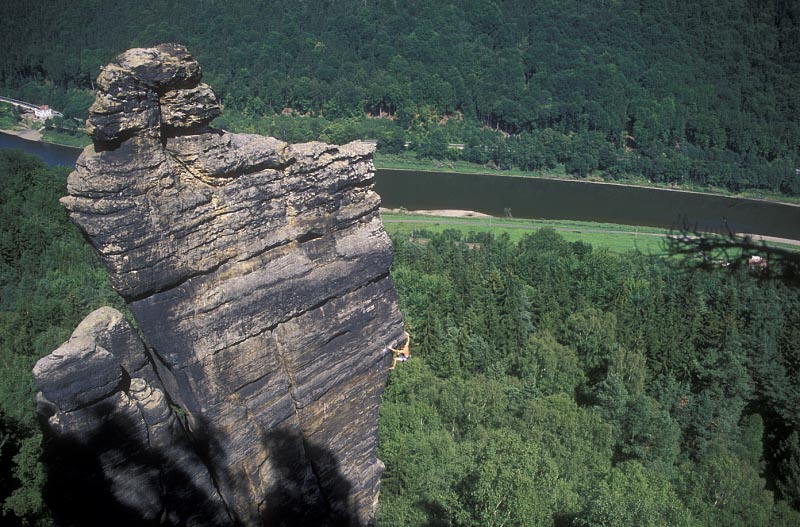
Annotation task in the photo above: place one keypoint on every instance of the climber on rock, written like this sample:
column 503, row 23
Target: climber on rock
column 403, row 353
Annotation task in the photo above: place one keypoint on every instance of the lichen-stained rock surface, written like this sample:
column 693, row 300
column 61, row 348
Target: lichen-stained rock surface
column 258, row 273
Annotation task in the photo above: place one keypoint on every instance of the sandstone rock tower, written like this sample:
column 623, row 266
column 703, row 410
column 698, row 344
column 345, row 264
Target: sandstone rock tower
column 258, row 275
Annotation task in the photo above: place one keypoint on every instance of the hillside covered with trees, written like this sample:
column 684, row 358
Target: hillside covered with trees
column 704, row 93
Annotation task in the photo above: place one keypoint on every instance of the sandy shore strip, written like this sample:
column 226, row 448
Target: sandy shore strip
column 446, row 213
column 27, row 134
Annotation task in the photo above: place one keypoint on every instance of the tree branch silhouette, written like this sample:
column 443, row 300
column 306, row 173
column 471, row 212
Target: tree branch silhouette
column 727, row 249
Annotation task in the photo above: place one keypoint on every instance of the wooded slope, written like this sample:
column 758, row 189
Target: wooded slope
column 702, row 92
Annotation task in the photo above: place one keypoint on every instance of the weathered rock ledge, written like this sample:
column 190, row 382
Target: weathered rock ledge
column 258, row 275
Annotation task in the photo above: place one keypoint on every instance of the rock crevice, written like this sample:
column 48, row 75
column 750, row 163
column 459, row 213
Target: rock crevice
column 257, row 272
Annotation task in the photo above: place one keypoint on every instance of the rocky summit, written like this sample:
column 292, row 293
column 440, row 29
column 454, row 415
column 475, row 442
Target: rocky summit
column 257, row 272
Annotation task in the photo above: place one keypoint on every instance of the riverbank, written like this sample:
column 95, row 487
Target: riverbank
column 460, row 195
column 52, row 154
column 411, row 164
column 442, row 213
column 405, row 163
column 27, row 134
column 50, row 137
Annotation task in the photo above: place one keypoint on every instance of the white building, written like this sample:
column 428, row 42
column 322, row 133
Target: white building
column 43, row 112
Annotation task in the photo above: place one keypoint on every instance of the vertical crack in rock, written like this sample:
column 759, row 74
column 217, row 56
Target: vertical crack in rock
column 258, row 274
column 184, row 438
column 306, row 450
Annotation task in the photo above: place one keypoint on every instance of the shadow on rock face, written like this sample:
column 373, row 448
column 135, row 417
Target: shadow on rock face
column 113, row 478
column 306, row 486
column 80, row 492
column 294, row 503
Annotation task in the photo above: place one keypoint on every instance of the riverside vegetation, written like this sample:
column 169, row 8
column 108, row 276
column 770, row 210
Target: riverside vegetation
column 551, row 383
column 701, row 94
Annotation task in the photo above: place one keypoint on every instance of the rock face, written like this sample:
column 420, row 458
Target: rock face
column 258, row 274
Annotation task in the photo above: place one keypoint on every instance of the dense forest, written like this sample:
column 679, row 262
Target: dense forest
column 555, row 384
column 701, row 93
column 551, row 383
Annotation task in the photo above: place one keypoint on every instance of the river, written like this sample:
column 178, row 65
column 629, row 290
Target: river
column 53, row 155
column 578, row 200
column 547, row 198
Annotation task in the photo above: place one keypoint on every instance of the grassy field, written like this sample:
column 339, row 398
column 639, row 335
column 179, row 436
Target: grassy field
column 65, row 139
column 614, row 237
column 617, row 238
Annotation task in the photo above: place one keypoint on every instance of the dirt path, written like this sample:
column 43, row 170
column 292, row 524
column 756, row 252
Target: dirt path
column 758, row 238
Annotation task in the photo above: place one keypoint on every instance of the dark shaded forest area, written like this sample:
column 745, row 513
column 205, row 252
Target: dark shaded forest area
column 702, row 93
column 551, row 383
